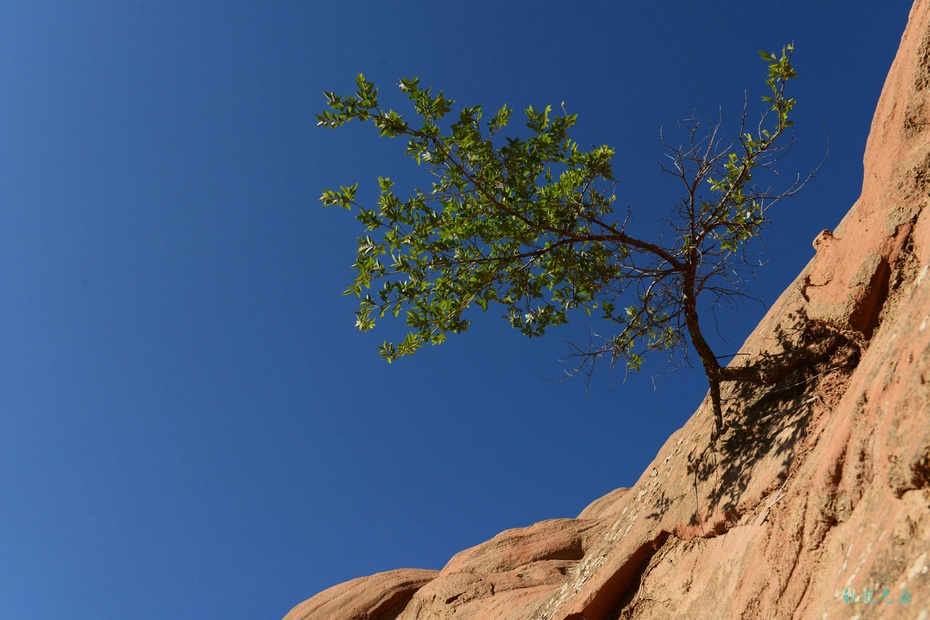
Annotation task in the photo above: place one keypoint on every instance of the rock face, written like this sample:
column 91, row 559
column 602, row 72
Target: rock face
column 814, row 504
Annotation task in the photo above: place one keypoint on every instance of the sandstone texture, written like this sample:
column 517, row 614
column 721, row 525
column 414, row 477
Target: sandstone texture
column 379, row 596
column 816, row 501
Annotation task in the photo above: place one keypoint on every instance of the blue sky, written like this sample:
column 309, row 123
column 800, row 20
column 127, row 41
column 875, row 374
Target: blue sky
column 190, row 424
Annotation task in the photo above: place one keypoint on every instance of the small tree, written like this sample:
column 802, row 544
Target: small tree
column 529, row 223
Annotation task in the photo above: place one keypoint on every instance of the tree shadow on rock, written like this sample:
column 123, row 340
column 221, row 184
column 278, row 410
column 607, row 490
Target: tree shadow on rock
column 768, row 420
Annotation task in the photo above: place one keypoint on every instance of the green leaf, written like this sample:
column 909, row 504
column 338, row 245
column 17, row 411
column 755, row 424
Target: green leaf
column 528, row 222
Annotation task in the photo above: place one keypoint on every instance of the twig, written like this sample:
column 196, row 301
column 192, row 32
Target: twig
column 779, row 495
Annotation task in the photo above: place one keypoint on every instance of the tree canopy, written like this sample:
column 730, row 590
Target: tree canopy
column 529, row 224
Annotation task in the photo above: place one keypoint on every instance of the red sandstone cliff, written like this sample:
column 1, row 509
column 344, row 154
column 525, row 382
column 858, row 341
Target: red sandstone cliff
column 821, row 487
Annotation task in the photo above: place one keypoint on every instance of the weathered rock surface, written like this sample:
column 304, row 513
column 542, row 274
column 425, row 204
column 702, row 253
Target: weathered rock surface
column 820, row 487
column 379, row 596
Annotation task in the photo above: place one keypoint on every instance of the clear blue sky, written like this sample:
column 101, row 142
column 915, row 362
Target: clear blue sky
column 190, row 424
